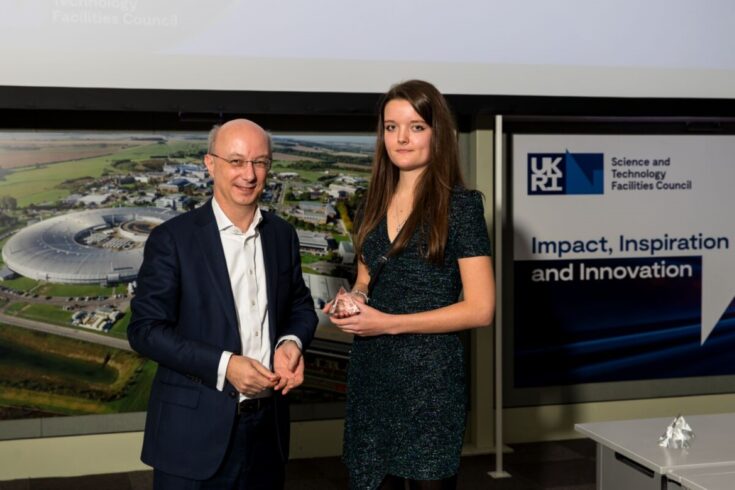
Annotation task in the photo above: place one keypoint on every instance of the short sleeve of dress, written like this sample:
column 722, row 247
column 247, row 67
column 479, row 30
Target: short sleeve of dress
column 468, row 230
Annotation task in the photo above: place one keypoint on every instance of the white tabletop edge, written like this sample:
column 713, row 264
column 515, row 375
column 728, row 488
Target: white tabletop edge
column 621, row 450
column 724, row 424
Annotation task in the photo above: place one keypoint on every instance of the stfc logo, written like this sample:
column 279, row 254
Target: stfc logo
column 565, row 173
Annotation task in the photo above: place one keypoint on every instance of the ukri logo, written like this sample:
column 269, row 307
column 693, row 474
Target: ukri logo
column 565, row 173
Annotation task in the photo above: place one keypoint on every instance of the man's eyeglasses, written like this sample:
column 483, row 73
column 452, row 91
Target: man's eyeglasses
column 258, row 163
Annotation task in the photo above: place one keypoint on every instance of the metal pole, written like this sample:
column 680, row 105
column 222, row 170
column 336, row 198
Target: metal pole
column 499, row 222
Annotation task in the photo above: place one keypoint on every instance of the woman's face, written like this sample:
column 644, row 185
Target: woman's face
column 407, row 136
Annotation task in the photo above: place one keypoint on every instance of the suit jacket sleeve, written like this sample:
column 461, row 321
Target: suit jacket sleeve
column 153, row 330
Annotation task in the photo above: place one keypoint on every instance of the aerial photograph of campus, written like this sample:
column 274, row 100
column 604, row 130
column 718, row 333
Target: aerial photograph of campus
column 75, row 211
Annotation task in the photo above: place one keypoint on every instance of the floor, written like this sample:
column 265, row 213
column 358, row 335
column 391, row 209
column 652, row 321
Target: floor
column 559, row 465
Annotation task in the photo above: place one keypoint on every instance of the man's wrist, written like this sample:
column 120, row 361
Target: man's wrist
column 224, row 363
column 289, row 338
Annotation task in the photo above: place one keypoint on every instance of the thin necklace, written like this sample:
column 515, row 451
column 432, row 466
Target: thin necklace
column 398, row 213
column 400, row 222
column 399, row 225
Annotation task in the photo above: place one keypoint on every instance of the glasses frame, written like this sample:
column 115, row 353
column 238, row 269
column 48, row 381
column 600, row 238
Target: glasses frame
column 245, row 162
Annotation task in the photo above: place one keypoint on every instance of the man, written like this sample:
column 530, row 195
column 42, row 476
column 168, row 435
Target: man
column 222, row 307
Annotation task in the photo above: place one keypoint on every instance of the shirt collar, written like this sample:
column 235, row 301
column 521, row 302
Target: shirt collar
column 224, row 223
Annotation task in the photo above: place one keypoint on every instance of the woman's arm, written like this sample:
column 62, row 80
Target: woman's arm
column 476, row 309
column 362, row 280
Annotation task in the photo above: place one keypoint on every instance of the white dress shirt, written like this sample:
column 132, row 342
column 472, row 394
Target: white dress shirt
column 246, row 267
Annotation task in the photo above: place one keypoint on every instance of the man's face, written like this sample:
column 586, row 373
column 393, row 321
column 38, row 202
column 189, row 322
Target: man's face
column 236, row 188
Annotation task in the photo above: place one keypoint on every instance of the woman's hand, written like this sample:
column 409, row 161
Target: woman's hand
column 368, row 323
column 348, row 304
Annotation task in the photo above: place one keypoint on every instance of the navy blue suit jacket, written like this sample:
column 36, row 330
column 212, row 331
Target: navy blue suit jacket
column 184, row 316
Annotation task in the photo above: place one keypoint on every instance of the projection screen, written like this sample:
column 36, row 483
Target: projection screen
column 621, row 48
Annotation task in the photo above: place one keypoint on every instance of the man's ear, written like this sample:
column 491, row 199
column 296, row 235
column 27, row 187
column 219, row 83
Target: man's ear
column 208, row 162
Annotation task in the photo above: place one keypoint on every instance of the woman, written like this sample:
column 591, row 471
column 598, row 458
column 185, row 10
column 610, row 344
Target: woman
column 406, row 402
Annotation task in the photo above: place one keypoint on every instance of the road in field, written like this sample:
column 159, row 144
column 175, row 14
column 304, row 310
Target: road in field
column 72, row 333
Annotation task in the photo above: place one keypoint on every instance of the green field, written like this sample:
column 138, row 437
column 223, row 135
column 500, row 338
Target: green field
column 137, row 392
column 67, row 371
column 39, row 184
column 120, row 328
column 41, row 312
column 311, row 258
column 20, row 283
column 14, row 308
column 43, row 288
column 64, row 290
column 69, row 376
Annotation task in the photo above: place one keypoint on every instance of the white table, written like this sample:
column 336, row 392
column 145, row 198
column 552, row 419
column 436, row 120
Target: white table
column 629, row 457
column 718, row 477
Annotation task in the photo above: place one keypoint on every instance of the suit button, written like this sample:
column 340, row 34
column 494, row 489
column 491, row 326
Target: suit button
column 232, row 394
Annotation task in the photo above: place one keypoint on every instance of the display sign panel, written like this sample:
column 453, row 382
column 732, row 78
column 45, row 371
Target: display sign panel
column 623, row 265
column 76, row 208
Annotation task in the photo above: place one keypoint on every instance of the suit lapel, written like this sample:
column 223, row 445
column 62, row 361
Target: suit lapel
column 213, row 256
column 270, row 249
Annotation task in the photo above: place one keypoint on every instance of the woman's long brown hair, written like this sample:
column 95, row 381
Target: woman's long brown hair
column 430, row 214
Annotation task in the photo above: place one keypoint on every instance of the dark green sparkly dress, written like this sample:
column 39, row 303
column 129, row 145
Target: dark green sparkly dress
column 406, row 395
